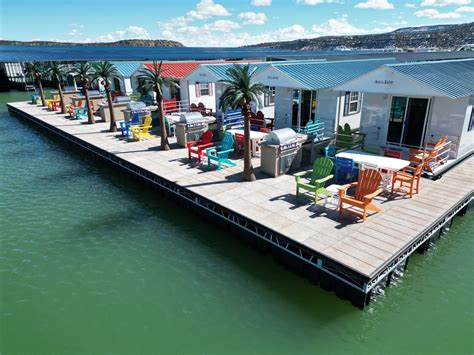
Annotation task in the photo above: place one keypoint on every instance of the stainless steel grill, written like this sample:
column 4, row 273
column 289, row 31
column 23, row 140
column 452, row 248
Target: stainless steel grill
column 281, row 151
column 190, row 127
column 120, row 99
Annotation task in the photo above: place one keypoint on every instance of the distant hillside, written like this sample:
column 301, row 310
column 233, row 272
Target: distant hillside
column 443, row 37
column 125, row 42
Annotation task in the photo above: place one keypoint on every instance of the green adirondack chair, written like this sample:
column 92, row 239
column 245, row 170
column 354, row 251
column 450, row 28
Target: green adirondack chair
column 315, row 179
column 220, row 155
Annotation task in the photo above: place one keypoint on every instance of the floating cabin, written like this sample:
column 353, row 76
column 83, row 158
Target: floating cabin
column 213, row 73
column 123, row 83
column 303, row 92
column 411, row 105
column 189, row 92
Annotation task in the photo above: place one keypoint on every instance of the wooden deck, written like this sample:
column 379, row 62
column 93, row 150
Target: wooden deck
column 364, row 248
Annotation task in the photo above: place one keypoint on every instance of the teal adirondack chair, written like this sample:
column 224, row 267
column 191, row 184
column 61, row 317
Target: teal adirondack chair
column 220, row 154
column 315, row 179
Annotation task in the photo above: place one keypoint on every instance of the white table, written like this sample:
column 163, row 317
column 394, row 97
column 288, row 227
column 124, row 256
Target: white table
column 255, row 139
column 390, row 165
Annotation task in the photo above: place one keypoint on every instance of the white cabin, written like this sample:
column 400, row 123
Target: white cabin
column 409, row 105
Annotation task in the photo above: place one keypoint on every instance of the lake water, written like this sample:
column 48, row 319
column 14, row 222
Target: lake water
column 90, row 263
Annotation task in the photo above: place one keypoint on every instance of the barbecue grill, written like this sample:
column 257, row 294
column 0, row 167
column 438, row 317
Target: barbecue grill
column 136, row 107
column 281, row 151
column 119, row 99
column 190, row 127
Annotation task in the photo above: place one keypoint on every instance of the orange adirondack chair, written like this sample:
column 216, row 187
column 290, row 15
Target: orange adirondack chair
column 409, row 177
column 367, row 188
column 428, row 156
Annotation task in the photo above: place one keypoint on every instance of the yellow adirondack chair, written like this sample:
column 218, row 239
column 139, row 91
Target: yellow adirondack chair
column 142, row 130
column 367, row 188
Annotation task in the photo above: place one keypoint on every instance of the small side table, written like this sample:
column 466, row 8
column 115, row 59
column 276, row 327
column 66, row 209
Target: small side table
column 333, row 190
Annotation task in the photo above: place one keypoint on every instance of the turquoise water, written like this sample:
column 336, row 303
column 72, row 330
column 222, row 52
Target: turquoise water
column 92, row 264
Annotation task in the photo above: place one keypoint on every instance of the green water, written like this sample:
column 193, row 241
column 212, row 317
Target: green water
column 90, row 263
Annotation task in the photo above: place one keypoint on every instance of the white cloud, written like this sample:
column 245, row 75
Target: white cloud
column 131, row 32
column 410, row 6
column 375, row 4
column 75, row 30
column 206, row 9
column 336, row 27
column 445, row 2
column 261, row 2
column 465, row 9
column 435, row 14
column 315, row 2
column 253, row 18
column 221, row 26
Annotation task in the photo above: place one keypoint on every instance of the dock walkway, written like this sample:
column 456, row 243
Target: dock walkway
column 359, row 255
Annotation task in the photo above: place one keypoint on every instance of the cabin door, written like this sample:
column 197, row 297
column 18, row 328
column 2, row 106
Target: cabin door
column 407, row 121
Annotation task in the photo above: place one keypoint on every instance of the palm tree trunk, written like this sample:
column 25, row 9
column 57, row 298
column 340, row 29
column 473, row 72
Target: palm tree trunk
column 249, row 174
column 113, row 127
column 61, row 98
column 90, row 116
column 40, row 86
column 163, row 134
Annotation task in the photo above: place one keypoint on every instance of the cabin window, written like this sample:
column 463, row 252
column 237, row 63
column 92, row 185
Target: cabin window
column 471, row 121
column 203, row 89
column 116, row 84
column 352, row 103
column 269, row 98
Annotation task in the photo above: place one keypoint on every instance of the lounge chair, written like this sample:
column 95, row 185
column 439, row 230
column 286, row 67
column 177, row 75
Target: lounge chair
column 318, row 177
column 142, row 130
column 197, row 148
column 220, row 155
column 431, row 156
column 367, row 188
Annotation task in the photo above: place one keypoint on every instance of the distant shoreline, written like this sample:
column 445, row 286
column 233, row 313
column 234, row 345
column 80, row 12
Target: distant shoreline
column 127, row 42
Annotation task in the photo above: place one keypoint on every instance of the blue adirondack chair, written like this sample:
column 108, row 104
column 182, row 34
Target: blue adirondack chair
column 34, row 99
column 125, row 126
column 220, row 154
column 344, row 170
column 81, row 112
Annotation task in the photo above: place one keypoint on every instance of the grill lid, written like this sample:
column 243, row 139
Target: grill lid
column 122, row 99
column 281, row 136
column 136, row 106
column 191, row 117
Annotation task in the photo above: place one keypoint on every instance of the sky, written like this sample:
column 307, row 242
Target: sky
column 209, row 23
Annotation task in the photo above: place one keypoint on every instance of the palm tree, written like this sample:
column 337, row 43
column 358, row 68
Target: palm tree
column 85, row 73
column 153, row 80
column 240, row 92
column 36, row 70
column 57, row 72
column 104, row 71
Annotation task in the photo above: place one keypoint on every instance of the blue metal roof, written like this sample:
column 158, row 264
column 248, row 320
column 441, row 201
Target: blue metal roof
column 126, row 69
column 220, row 70
column 322, row 75
column 453, row 78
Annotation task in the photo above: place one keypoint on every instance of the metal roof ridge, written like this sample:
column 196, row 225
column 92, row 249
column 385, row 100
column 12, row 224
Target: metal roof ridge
column 431, row 62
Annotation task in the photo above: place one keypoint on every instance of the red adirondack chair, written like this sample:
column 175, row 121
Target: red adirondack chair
column 197, row 148
column 239, row 143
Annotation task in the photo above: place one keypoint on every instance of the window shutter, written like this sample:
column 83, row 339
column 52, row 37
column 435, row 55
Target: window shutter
column 347, row 100
column 198, row 89
column 210, row 89
column 359, row 102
